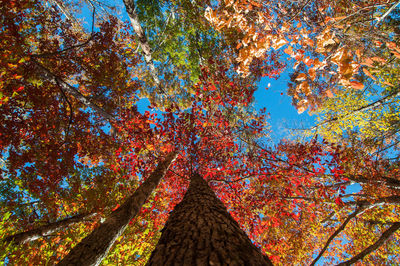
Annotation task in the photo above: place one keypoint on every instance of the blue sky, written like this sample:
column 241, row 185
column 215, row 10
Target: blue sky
column 283, row 115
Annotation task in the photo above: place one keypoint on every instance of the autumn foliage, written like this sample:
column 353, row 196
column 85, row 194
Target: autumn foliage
column 76, row 139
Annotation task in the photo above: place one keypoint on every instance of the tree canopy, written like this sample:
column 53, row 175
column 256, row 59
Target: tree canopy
column 78, row 148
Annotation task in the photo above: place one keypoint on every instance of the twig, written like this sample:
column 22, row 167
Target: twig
column 340, row 229
column 385, row 236
column 378, row 20
column 73, row 46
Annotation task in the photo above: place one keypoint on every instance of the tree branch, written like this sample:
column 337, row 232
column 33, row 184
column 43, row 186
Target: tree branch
column 47, row 230
column 385, row 236
column 360, row 109
column 340, row 229
column 379, row 19
column 47, row 74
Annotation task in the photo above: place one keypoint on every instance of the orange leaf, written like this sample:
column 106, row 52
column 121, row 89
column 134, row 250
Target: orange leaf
column 356, row 85
column 368, row 62
column 396, row 54
column 387, row 83
column 312, row 73
column 289, row 50
column 329, row 94
column 301, row 77
column 366, row 71
column 378, row 59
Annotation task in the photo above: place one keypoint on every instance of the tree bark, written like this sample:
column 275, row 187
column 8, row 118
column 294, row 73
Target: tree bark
column 93, row 248
column 200, row 231
column 47, row 229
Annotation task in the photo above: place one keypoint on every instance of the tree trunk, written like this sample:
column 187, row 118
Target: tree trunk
column 200, row 231
column 47, row 229
column 144, row 44
column 93, row 248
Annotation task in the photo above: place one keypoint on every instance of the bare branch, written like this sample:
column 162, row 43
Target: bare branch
column 379, row 19
column 360, row 109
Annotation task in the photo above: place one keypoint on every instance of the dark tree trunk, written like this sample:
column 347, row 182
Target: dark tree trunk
column 93, row 248
column 200, row 231
column 47, row 229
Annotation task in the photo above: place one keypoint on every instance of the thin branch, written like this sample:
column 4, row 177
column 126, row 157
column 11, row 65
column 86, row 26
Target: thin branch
column 73, row 46
column 340, row 229
column 71, row 113
column 358, row 110
column 378, row 20
column 385, row 236
column 47, row 74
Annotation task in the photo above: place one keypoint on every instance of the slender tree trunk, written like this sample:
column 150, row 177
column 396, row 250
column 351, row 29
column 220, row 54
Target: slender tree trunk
column 47, row 229
column 93, row 248
column 200, row 231
column 143, row 42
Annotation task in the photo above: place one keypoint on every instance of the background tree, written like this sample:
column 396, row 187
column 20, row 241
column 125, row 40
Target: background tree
column 74, row 142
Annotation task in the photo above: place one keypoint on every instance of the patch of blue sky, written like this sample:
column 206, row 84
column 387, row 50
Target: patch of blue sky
column 271, row 94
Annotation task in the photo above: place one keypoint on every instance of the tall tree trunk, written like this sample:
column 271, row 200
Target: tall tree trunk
column 93, row 248
column 47, row 229
column 200, row 231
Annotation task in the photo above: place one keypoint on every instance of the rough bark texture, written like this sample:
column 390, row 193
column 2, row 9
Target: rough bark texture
column 47, row 229
column 93, row 248
column 200, row 231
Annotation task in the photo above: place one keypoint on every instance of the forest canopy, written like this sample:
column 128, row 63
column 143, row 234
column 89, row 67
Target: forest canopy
column 118, row 116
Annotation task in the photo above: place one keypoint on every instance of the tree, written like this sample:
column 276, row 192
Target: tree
column 74, row 142
column 92, row 249
column 200, row 231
